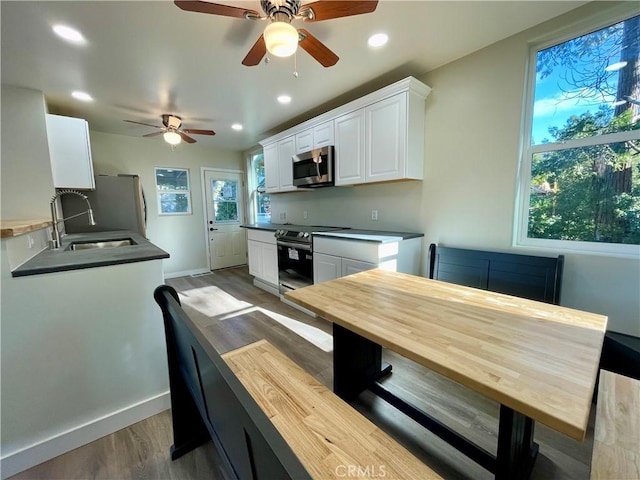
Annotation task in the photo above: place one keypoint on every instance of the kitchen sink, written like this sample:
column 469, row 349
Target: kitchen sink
column 123, row 242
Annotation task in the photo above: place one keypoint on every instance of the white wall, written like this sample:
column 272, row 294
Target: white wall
column 27, row 183
column 182, row 236
column 83, row 355
column 467, row 199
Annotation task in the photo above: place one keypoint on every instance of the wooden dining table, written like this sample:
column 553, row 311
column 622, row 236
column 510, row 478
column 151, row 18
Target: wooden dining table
column 538, row 361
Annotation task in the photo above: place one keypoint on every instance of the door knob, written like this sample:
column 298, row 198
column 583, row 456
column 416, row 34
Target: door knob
column 212, row 229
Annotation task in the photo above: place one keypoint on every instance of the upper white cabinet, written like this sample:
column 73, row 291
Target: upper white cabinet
column 381, row 142
column 70, row 152
column 271, row 176
column 278, row 166
column 350, row 142
column 315, row 137
column 377, row 138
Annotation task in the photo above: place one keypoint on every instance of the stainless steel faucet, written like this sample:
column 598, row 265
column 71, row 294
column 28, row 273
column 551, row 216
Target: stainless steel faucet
column 55, row 234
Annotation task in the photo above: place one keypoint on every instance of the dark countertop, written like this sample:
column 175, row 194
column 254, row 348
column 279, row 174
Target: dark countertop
column 271, row 227
column 379, row 236
column 61, row 260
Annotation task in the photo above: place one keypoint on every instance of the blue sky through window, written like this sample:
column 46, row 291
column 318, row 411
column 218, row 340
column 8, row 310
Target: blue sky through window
column 557, row 97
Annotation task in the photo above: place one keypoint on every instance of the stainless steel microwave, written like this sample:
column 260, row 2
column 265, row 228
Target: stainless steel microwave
column 314, row 169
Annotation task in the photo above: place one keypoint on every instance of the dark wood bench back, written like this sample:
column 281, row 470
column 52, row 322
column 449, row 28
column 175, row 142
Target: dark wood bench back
column 208, row 401
column 526, row 276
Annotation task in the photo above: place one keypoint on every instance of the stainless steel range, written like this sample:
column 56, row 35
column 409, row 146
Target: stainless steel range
column 295, row 255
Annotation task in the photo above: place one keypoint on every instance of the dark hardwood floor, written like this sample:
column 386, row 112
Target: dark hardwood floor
column 232, row 313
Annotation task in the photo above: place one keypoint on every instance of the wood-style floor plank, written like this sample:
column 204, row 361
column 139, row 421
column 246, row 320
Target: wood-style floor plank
column 233, row 313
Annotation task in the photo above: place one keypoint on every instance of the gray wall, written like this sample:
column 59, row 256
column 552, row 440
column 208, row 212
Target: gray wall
column 183, row 236
column 467, row 199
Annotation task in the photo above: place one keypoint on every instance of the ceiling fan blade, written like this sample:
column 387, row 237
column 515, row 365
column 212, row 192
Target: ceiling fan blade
column 317, row 49
column 194, row 131
column 256, row 53
column 216, row 9
column 186, row 137
column 328, row 9
column 147, row 124
column 154, row 134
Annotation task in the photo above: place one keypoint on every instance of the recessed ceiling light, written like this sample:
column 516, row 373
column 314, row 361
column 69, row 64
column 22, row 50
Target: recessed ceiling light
column 284, row 99
column 237, row 127
column 378, row 40
column 84, row 96
column 614, row 67
column 69, row 34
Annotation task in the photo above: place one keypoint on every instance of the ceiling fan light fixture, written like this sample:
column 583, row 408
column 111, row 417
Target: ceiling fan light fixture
column 172, row 138
column 281, row 39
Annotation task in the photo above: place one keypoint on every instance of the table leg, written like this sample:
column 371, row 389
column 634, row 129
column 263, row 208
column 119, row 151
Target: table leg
column 516, row 449
column 357, row 363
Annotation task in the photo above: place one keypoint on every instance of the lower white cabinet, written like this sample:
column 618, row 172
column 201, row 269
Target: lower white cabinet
column 329, row 267
column 263, row 256
column 337, row 257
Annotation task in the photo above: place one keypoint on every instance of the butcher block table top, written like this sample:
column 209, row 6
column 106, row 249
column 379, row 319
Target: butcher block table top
column 539, row 359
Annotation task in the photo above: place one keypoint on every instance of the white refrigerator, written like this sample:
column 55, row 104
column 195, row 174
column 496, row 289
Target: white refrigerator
column 118, row 203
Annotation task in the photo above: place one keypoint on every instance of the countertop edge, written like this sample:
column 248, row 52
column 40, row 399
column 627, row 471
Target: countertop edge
column 62, row 260
column 13, row 228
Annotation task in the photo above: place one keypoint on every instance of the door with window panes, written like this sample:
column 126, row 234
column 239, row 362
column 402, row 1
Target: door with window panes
column 225, row 214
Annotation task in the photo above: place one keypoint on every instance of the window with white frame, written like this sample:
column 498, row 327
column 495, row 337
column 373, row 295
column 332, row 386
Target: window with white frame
column 580, row 172
column 173, row 191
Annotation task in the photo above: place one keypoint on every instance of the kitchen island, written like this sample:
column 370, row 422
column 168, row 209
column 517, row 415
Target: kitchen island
column 82, row 346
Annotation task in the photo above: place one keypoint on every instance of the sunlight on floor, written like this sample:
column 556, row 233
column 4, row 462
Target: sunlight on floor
column 230, row 307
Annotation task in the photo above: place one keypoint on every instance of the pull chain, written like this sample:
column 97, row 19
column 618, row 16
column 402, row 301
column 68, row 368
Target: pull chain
column 295, row 64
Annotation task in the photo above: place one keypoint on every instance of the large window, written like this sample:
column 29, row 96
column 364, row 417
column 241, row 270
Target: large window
column 580, row 175
column 174, row 195
column 260, row 201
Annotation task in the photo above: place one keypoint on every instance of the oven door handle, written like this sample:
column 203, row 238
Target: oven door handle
column 301, row 246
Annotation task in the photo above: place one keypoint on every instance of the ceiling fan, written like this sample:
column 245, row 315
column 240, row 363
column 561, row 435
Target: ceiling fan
column 172, row 132
column 280, row 38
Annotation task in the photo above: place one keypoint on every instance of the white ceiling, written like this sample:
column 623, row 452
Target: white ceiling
column 143, row 59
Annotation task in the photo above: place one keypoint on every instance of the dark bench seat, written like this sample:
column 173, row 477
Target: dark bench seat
column 268, row 417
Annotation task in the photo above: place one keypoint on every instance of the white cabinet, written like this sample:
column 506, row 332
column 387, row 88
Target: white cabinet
column 326, row 267
column 271, row 177
column 278, row 165
column 70, row 152
column 329, row 267
column 335, row 257
column 263, row 256
column 315, row 137
column 381, row 142
column 350, row 145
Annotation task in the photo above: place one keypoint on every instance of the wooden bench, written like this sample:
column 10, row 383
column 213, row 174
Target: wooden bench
column 268, row 417
column 616, row 443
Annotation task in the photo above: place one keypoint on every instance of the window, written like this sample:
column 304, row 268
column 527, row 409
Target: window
column 174, row 195
column 260, row 201
column 225, row 200
column 580, row 173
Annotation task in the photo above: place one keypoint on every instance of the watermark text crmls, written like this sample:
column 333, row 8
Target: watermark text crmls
column 361, row 471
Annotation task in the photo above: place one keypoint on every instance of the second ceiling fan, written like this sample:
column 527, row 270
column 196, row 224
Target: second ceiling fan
column 280, row 38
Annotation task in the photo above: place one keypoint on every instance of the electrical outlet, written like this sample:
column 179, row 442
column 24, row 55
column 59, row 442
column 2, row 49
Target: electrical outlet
column 283, row 215
column 374, row 214
column 305, row 215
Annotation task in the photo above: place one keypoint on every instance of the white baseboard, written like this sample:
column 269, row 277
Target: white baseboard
column 42, row 451
column 266, row 286
column 186, row 273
